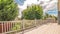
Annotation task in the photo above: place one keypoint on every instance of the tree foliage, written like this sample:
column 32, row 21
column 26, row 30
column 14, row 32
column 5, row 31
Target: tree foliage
column 47, row 15
column 33, row 12
column 8, row 10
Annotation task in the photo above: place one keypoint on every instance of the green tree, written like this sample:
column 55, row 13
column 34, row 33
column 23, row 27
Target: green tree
column 56, row 18
column 47, row 15
column 33, row 12
column 8, row 10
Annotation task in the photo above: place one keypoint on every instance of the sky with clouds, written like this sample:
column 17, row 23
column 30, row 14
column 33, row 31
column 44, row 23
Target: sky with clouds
column 49, row 6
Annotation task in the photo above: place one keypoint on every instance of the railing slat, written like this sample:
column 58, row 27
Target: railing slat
column 2, row 27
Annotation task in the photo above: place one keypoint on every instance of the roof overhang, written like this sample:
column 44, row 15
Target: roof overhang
column 58, row 5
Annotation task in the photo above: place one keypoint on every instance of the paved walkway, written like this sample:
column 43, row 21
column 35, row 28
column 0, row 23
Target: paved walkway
column 51, row 28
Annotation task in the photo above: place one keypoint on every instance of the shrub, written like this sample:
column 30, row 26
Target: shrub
column 33, row 12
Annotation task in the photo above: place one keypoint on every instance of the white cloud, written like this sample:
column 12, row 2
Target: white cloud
column 47, row 4
column 51, row 5
column 28, row 2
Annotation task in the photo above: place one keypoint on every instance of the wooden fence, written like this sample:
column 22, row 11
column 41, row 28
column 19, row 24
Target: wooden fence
column 13, row 26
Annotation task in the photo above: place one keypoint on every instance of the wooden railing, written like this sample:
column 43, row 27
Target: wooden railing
column 14, row 26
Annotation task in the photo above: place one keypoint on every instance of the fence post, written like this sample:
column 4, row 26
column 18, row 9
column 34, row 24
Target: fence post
column 35, row 22
column 23, row 26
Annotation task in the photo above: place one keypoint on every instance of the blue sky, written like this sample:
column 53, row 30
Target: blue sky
column 50, row 6
column 53, row 12
column 20, row 2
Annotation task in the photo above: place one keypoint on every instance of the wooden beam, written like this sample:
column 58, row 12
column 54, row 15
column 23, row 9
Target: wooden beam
column 58, row 5
column 58, row 11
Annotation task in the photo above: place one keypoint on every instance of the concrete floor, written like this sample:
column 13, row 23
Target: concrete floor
column 51, row 28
